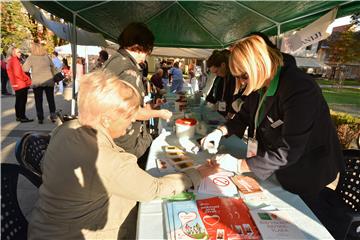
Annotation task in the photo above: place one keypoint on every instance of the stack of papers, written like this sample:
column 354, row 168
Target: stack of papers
column 227, row 162
column 218, row 184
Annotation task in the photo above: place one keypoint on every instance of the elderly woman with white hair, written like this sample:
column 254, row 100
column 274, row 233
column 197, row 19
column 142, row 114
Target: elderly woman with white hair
column 89, row 183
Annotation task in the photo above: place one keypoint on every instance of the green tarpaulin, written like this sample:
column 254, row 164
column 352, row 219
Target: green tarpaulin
column 199, row 24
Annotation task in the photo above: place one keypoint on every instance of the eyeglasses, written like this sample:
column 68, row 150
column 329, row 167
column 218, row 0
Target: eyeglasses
column 243, row 76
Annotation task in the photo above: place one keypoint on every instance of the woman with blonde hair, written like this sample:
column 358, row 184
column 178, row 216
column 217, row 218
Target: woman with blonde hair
column 42, row 73
column 100, row 183
column 20, row 82
column 291, row 135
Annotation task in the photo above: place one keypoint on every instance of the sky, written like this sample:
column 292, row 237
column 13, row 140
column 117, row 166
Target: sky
column 341, row 21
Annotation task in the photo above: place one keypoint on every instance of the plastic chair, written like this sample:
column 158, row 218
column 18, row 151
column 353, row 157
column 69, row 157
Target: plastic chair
column 342, row 217
column 13, row 222
column 30, row 149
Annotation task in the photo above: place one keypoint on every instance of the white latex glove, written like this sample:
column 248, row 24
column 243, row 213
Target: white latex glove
column 211, row 141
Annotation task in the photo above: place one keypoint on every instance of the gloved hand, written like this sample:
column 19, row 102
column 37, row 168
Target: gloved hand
column 165, row 114
column 211, row 141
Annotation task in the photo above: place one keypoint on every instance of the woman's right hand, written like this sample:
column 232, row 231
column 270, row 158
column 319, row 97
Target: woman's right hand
column 208, row 168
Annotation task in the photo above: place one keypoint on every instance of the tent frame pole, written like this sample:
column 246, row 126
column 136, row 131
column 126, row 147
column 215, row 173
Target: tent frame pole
column 278, row 35
column 74, row 51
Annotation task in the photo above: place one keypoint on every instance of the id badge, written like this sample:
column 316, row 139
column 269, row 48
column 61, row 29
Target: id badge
column 252, row 147
column 222, row 106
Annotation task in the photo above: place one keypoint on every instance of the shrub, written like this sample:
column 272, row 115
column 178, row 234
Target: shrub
column 347, row 127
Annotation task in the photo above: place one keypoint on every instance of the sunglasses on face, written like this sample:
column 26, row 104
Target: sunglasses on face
column 243, row 76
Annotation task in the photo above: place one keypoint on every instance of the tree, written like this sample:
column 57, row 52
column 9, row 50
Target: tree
column 344, row 47
column 16, row 25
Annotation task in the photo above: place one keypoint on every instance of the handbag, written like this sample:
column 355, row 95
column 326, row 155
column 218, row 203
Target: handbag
column 58, row 77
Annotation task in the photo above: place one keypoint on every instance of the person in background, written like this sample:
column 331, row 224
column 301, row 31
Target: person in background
column 20, row 82
column 56, row 61
column 165, row 77
column 177, row 80
column 136, row 41
column 79, row 72
column 191, row 71
column 58, row 68
column 158, row 64
column 156, row 79
column 100, row 182
column 103, row 57
column 291, row 135
column 42, row 73
column 222, row 94
column 66, row 71
column 145, row 68
column 4, row 77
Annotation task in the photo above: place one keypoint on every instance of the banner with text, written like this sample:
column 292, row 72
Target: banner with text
column 311, row 34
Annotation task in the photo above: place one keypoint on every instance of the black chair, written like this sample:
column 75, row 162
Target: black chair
column 342, row 205
column 30, row 149
column 13, row 222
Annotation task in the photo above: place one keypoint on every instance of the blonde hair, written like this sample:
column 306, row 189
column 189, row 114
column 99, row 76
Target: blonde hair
column 253, row 57
column 10, row 52
column 102, row 94
column 37, row 50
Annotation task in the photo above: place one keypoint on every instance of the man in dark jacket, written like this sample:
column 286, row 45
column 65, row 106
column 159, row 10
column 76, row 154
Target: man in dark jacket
column 222, row 93
column 136, row 41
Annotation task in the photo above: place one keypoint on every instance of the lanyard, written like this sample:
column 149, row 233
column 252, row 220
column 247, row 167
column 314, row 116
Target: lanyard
column 261, row 102
column 224, row 86
column 262, row 99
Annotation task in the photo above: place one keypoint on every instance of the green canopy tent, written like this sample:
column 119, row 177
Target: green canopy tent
column 195, row 24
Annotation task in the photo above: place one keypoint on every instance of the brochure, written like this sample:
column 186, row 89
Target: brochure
column 218, row 184
column 276, row 224
column 227, row 218
column 246, row 185
column 184, row 221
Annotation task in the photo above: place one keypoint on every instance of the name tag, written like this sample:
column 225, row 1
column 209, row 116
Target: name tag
column 252, row 147
column 276, row 124
column 222, row 106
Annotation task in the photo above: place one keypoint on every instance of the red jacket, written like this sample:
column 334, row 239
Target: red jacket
column 17, row 77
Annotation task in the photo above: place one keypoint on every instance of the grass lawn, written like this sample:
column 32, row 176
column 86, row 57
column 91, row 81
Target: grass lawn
column 331, row 82
column 345, row 97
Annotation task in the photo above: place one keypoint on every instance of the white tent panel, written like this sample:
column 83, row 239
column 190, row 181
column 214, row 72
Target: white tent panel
column 182, row 52
column 82, row 51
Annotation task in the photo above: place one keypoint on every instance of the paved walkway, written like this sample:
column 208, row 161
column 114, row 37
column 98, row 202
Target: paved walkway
column 11, row 131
